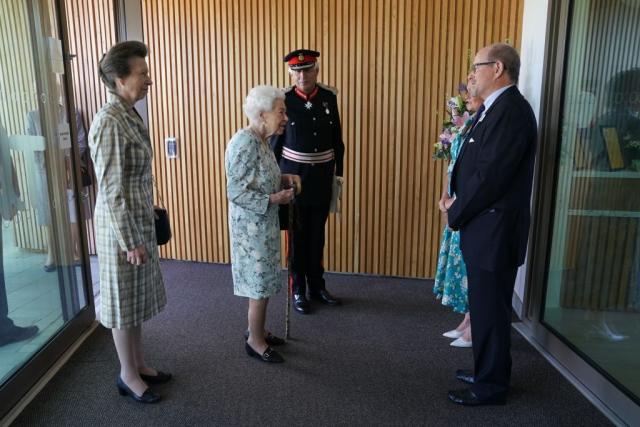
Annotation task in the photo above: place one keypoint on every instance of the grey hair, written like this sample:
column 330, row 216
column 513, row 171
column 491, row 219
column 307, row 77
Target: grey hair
column 316, row 66
column 508, row 56
column 260, row 99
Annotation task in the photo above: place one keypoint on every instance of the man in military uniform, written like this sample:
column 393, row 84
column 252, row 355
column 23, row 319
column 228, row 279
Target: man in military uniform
column 311, row 147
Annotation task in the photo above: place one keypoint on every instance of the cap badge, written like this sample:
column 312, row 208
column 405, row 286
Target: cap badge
column 301, row 57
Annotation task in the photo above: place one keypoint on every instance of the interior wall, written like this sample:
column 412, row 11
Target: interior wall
column 394, row 63
column 92, row 31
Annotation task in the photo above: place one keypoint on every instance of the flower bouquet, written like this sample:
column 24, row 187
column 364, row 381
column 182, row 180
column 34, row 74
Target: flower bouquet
column 457, row 115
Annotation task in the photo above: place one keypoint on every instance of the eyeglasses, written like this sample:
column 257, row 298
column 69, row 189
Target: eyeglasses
column 474, row 67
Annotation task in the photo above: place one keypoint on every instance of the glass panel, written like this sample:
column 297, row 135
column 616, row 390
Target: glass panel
column 41, row 281
column 593, row 290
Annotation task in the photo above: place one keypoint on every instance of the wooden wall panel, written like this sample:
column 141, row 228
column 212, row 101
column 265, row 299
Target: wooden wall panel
column 92, row 31
column 394, row 62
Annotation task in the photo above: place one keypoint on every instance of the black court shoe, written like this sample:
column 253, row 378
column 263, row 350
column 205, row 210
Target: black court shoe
column 159, row 378
column 269, row 338
column 269, row 355
column 147, row 397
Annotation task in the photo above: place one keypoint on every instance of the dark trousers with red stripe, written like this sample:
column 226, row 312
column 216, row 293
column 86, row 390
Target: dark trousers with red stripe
column 308, row 248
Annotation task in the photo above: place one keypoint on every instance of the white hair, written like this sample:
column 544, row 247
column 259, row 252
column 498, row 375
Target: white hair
column 260, row 99
column 316, row 65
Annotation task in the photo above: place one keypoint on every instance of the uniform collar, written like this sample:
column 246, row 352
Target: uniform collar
column 304, row 96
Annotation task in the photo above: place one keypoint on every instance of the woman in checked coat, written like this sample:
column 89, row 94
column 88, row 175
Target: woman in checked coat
column 131, row 285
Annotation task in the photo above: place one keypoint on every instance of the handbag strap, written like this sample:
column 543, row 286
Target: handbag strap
column 155, row 185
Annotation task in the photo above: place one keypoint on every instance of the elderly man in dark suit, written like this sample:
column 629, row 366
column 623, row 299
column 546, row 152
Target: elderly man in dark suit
column 492, row 185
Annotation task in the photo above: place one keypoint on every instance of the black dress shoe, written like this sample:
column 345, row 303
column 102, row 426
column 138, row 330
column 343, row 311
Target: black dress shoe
column 159, row 378
column 17, row 333
column 325, row 297
column 465, row 375
column 269, row 355
column 147, row 397
column 468, row 398
column 300, row 304
column 270, row 339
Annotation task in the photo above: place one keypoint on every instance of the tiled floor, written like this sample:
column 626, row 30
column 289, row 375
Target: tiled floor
column 33, row 297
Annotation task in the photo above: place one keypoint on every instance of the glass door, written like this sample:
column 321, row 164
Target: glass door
column 592, row 299
column 45, row 297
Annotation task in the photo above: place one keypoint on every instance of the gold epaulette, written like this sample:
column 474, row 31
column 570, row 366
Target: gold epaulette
column 329, row 88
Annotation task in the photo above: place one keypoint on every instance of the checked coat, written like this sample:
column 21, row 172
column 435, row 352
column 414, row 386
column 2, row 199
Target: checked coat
column 124, row 217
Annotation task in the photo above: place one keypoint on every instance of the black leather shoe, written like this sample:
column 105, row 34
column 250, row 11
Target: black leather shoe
column 465, row 375
column 300, row 304
column 159, row 378
column 468, row 398
column 325, row 297
column 17, row 333
column 147, row 397
column 269, row 355
column 270, row 339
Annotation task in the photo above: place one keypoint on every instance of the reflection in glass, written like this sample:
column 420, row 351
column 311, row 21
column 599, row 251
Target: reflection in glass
column 593, row 291
column 41, row 281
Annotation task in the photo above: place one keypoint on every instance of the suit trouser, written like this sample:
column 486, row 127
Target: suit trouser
column 490, row 295
column 308, row 248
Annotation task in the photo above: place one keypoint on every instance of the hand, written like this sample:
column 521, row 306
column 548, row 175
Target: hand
column 282, row 197
column 296, row 183
column 292, row 181
column 137, row 256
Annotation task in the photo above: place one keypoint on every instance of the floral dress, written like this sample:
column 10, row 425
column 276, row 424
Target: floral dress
column 451, row 273
column 252, row 175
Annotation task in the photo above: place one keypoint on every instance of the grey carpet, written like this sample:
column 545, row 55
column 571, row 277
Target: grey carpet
column 377, row 360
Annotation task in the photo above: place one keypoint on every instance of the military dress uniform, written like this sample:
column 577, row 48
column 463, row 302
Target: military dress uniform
column 311, row 147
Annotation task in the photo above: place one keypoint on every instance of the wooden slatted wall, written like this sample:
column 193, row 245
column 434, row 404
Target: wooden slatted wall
column 394, row 62
column 92, row 31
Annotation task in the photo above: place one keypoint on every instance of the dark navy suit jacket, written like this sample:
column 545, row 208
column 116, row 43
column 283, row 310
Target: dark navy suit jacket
column 492, row 181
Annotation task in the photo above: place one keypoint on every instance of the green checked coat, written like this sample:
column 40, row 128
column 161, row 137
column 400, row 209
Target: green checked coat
column 124, row 219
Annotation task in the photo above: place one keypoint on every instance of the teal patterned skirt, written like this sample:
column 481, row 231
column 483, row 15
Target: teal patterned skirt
column 451, row 273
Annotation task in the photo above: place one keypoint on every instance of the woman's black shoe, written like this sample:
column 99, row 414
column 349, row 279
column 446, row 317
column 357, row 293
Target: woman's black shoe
column 159, row 378
column 270, row 339
column 147, row 397
column 269, row 355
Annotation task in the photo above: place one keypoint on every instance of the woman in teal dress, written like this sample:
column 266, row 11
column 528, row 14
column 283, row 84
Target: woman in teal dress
column 451, row 274
column 255, row 189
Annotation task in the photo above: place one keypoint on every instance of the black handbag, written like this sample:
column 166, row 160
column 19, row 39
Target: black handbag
column 163, row 226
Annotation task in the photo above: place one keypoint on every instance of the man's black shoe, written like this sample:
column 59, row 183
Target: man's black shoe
column 468, row 398
column 300, row 304
column 17, row 333
column 465, row 375
column 324, row 297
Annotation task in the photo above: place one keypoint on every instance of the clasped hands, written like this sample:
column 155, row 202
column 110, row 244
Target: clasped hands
column 290, row 183
column 138, row 255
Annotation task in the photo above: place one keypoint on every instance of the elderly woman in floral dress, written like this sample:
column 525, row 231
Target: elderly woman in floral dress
column 451, row 273
column 255, row 188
